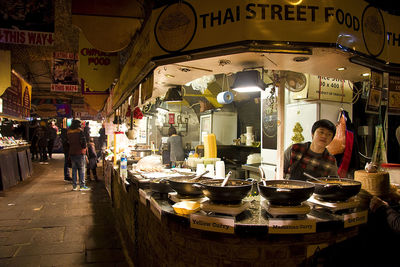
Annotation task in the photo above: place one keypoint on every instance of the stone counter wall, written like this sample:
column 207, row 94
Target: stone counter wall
column 171, row 242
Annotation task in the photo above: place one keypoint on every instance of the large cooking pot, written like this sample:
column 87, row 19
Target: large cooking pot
column 335, row 189
column 185, row 185
column 286, row 192
column 232, row 193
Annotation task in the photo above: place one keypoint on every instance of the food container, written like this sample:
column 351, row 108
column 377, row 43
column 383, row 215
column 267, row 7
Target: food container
column 186, row 207
column 286, row 192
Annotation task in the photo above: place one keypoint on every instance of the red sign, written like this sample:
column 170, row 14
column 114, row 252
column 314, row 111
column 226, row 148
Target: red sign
column 171, row 118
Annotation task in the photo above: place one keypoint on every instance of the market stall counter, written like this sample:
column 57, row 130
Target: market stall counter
column 15, row 165
column 156, row 235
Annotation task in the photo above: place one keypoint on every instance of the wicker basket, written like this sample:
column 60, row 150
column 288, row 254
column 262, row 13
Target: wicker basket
column 377, row 184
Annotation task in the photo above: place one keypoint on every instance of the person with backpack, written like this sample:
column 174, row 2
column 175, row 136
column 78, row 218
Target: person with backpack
column 77, row 152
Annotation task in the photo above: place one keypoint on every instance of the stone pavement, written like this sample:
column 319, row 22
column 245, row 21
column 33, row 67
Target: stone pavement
column 44, row 223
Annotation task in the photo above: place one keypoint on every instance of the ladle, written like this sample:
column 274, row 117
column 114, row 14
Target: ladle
column 199, row 176
column 262, row 176
column 226, row 178
column 318, row 180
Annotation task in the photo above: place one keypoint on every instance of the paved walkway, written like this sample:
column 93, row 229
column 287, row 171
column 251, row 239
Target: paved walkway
column 44, row 223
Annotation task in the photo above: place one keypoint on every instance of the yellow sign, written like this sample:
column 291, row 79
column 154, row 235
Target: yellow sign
column 98, row 69
column 352, row 25
column 140, row 56
column 5, row 73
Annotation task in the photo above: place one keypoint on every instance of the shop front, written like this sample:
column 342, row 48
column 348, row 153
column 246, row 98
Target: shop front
column 316, row 59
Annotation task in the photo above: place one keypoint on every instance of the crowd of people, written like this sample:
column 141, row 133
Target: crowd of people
column 78, row 147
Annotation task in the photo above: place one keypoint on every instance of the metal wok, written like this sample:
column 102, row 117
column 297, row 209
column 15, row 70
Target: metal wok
column 286, row 192
column 335, row 189
column 160, row 185
column 185, row 185
column 232, row 193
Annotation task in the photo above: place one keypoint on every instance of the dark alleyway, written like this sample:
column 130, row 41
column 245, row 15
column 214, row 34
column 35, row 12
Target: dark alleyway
column 44, row 223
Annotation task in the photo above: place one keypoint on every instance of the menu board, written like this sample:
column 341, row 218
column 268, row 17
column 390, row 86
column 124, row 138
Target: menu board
column 394, row 94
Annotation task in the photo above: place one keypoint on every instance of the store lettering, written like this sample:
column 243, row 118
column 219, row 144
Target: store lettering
column 287, row 12
column 273, row 12
column 25, row 37
column 229, row 16
column 12, row 37
column 393, row 38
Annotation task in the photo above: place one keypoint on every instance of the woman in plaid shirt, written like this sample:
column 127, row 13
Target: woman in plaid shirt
column 312, row 157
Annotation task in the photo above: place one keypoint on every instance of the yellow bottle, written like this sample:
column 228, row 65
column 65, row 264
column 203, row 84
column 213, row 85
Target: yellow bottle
column 210, row 146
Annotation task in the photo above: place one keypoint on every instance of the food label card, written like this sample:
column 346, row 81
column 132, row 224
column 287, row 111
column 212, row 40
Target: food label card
column 213, row 224
column 277, row 226
column 356, row 218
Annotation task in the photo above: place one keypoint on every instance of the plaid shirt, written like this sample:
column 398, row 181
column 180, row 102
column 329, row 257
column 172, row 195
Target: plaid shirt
column 303, row 160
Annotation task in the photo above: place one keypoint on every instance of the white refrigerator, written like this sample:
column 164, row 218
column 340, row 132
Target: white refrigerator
column 222, row 124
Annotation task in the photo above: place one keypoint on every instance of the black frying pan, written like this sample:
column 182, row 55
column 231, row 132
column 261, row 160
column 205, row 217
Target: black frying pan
column 232, row 193
column 335, row 189
column 286, row 192
column 185, row 185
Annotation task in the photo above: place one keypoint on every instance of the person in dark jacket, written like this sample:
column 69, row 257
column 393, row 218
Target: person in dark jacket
column 42, row 136
column 312, row 157
column 86, row 131
column 92, row 165
column 34, row 140
column 53, row 130
column 67, row 160
column 77, row 152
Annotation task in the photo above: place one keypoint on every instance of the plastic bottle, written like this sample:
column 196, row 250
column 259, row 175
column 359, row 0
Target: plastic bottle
column 123, row 169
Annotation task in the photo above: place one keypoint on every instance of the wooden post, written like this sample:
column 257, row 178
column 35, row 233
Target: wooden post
column 280, row 129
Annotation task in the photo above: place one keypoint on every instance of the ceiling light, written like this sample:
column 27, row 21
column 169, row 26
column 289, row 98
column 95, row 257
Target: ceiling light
column 169, row 76
column 248, row 81
column 365, row 74
column 173, row 94
column 341, row 69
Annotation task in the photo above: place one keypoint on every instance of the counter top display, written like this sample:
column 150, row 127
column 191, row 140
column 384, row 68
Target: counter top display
column 255, row 215
column 158, row 233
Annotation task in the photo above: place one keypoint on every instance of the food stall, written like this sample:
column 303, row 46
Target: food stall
column 323, row 48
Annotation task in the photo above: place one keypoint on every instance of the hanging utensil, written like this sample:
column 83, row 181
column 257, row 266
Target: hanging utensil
column 226, row 179
column 262, row 175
